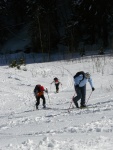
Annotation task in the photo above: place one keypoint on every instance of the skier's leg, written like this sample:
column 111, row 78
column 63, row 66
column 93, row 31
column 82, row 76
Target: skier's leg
column 38, row 101
column 57, row 87
column 76, row 98
column 44, row 101
column 83, row 92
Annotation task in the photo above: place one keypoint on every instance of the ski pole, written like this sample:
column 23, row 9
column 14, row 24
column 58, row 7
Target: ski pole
column 62, row 87
column 50, row 87
column 89, row 97
column 48, row 97
column 71, row 104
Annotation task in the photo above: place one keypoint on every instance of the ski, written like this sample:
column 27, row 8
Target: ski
column 70, row 109
column 56, row 92
column 47, row 108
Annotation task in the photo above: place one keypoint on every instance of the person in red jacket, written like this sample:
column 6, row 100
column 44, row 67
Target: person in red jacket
column 57, row 83
column 39, row 93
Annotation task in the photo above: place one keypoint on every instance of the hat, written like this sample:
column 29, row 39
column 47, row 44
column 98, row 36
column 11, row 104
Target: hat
column 87, row 75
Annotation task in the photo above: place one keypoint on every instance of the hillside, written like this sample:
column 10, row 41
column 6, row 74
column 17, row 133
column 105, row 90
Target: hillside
column 22, row 127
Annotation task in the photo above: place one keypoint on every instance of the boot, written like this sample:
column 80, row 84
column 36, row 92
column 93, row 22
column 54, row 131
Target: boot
column 44, row 106
column 83, row 106
column 36, row 107
column 76, row 104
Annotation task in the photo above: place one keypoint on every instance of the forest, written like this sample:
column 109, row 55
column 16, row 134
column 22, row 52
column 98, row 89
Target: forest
column 53, row 22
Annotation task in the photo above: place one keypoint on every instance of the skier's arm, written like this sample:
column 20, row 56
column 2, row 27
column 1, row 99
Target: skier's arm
column 46, row 90
column 52, row 82
column 91, row 84
column 60, row 83
column 35, row 89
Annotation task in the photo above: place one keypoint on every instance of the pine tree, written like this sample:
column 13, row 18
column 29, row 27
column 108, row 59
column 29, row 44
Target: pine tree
column 94, row 19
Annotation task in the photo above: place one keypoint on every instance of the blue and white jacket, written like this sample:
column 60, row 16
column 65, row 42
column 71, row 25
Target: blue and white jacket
column 78, row 81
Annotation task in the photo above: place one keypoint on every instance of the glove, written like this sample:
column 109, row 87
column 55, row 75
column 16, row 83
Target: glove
column 77, row 86
column 93, row 88
column 46, row 90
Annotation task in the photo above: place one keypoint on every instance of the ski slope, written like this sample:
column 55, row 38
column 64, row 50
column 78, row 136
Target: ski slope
column 24, row 128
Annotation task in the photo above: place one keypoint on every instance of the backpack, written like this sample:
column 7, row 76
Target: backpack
column 37, row 88
column 79, row 73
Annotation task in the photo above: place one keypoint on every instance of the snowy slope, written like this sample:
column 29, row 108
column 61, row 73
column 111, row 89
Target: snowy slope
column 24, row 128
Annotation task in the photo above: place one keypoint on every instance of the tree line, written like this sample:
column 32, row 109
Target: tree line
column 53, row 22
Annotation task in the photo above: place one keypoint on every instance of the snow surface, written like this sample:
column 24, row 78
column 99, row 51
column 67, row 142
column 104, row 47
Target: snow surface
column 24, row 128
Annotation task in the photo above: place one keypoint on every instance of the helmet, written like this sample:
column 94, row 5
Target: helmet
column 87, row 75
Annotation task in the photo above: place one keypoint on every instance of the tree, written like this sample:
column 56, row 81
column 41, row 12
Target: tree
column 18, row 11
column 93, row 19
column 3, row 21
column 43, row 29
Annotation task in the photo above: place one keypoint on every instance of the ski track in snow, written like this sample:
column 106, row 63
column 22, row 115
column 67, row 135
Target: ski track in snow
column 19, row 119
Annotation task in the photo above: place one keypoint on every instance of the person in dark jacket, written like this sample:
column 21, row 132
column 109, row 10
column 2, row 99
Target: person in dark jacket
column 80, row 88
column 39, row 93
column 57, row 83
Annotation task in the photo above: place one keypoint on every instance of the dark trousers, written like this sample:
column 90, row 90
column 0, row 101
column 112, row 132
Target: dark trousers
column 38, row 100
column 57, row 87
column 81, row 94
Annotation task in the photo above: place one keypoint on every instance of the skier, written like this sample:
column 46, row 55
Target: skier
column 39, row 93
column 57, row 83
column 80, row 80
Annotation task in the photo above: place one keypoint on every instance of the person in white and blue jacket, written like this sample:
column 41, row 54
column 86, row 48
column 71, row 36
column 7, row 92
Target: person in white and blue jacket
column 80, row 80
